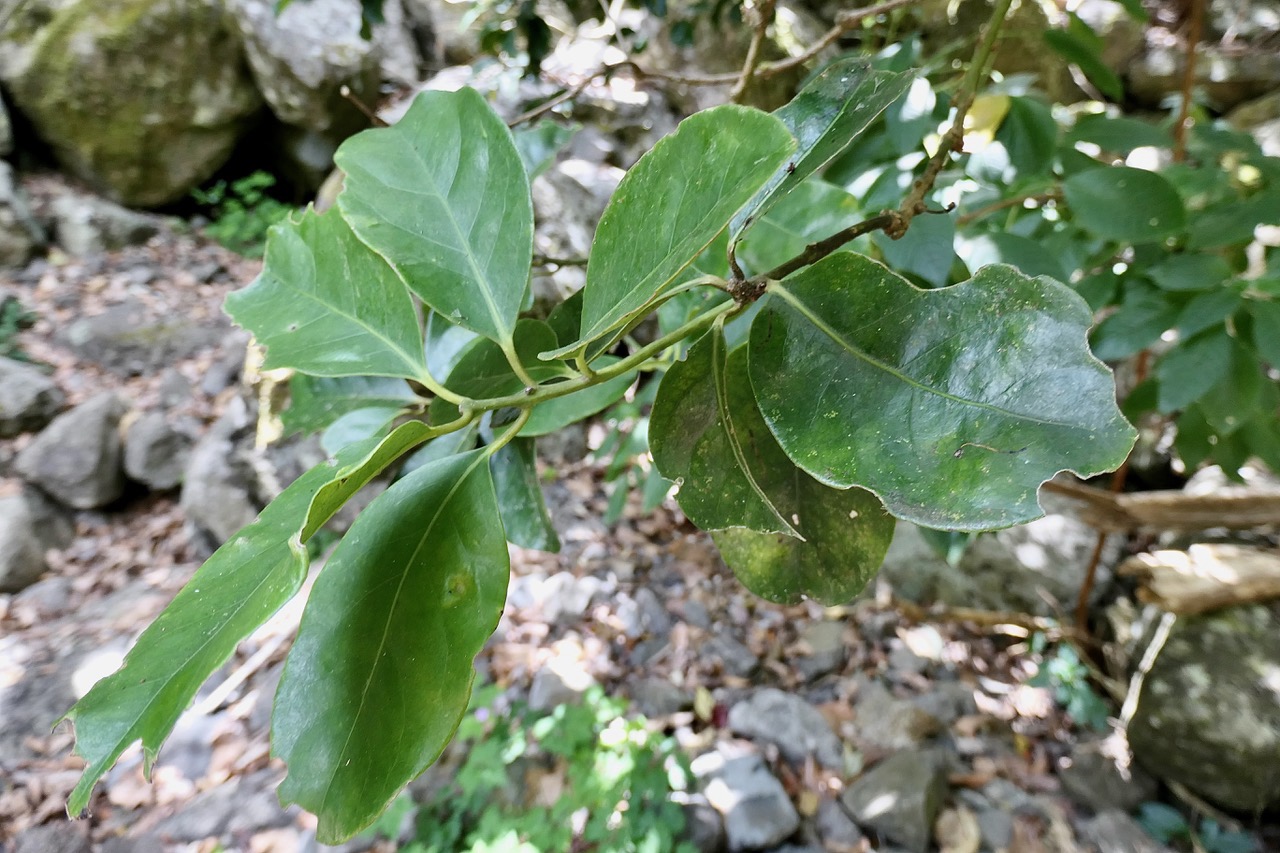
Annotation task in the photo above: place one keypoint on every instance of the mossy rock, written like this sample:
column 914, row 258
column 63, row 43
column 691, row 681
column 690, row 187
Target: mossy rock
column 144, row 99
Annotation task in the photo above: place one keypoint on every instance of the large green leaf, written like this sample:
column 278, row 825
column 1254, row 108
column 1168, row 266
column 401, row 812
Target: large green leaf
column 381, row 671
column 315, row 402
column 558, row 412
column 952, row 405
column 1188, row 371
column 674, row 202
column 699, row 433
column 235, row 591
column 1124, row 204
column 1266, row 330
column 524, row 511
column 444, row 197
column 825, row 117
column 482, row 369
column 327, row 305
column 846, row 535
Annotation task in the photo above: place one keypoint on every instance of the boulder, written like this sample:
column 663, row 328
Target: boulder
column 126, row 341
column 85, row 224
column 900, row 797
column 143, row 99
column 156, row 452
column 218, row 484
column 1096, row 781
column 797, row 728
column 1011, row 569
column 6, row 131
column 1208, row 716
column 20, row 235
column 21, row 551
column 29, row 399
column 77, row 458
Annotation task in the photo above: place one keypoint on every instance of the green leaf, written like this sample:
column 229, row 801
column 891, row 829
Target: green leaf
column 1000, row 247
column 305, row 309
column 674, row 202
column 702, row 437
column 484, row 371
column 1145, row 314
column 381, row 671
column 1124, row 204
column 357, row 426
column 444, row 197
column 1266, row 330
column 1229, row 404
column 524, row 511
column 237, row 589
column 445, row 344
column 1118, row 135
column 538, row 145
column 1189, row 370
column 1195, row 271
column 952, row 405
column 557, row 413
column 316, row 402
column 1075, row 46
column 825, row 117
column 1207, row 310
column 1028, row 133
column 808, row 212
column 926, row 250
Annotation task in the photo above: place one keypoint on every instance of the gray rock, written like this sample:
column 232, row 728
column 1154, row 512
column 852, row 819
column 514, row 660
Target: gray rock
column 155, row 453
column 900, row 797
column 21, row 551
column 658, row 697
column 789, row 722
column 242, row 804
column 53, row 523
column 560, row 682
column 826, row 649
column 947, row 701
column 887, row 723
column 134, row 844
column 218, row 485
column 85, row 224
column 1113, row 831
column 995, row 827
column 757, row 812
column 1208, row 715
column 1093, row 780
column 20, row 235
column 1006, row 570
column 62, row 837
column 562, row 598
column 837, row 828
column 1261, row 119
column 6, row 131
column 143, row 101
column 735, row 658
column 703, row 827
column 77, row 459
column 29, row 400
column 124, row 341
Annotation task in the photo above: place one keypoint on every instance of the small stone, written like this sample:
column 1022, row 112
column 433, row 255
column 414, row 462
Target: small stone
column 995, row 827
column 155, row 453
column 20, row 235
column 947, row 701
column 29, row 400
column 135, row 844
column 703, row 826
column 826, row 649
column 62, row 837
column 797, row 728
column 560, row 682
column 735, row 658
column 1113, row 831
column 837, row 828
column 757, row 811
column 217, row 488
column 77, row 458
column 900, row 797
column 1093, row 780
column 21, row 552
column 658, row 697
column 888, row 723
column 86, row 225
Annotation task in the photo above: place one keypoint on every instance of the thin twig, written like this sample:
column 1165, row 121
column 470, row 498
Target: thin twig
column 1005, row 203
column 982, row 618
column 815, row 252
column 1194, row 26
column 548, row 261
column 365, row 110
column 763, row 12
column 953, row 139
column 551, row 103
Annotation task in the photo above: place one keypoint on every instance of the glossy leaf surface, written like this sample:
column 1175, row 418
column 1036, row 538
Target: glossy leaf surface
column 315, row 402
column 672, row 204
column 952, row 405
column 701, row 433
column 237, row 589
column 825, row 117
column 381, row 670
column 444, row 196
column 327, row 305
column 482, row 370
column 557, row 413
column 1125, row 204
column 524, row 511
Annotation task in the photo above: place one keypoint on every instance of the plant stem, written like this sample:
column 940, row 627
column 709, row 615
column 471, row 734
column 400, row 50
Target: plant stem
column 953, row 139
column 517, row 367
column 505, row 439
column 547, row 106
column 815, row 252
column 1005, row 203
column 542, row 393
column 763, row 10
column 429, row 382
column 1194, row 24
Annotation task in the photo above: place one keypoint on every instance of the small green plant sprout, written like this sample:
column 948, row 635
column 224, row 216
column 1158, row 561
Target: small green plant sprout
column 242, row 212
column 1067, row 676
column 1167, row 825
